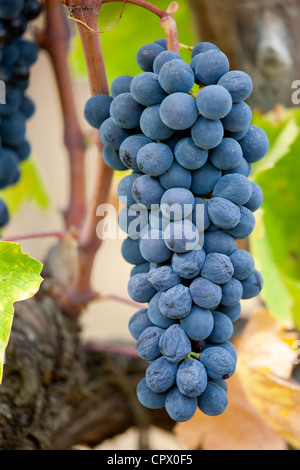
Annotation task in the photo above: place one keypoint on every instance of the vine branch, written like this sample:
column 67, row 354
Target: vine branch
column 54, row 40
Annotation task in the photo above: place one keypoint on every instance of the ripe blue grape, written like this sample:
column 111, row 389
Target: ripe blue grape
column 243, row 264
column 239, row 118
column 191, row 378
column 96, row 110
column 223, row 328
column 153, row 247
column 131, row 251
column 207, row 134
column 153, row 126
column 238, row 83
column 112, row 159
column 155, row 159
column 154, row 313
column 176, row 302
column 255, row 144
column 4, row 214
column 174, row 344
column 129, row 150
column 227, row 155
column 189, row 155
column 252, row 285
column 180, row 407
column 138, row 322
column 176, row 76
column 205, row 179
column 218, row 363
column 121, row 85
column 205, row 294
column 112, row 135
column 256, row 199
column 214, row 102
column 211, row 66
column 161, row 375
column 178, row 111
column 245, row 226
column 232, row 292
column 162, row 58
column 233, row 311
column 140, row 289
column 188, row 265
column 202, row 47
column 163, row 278
column 214, row 401
column 125, row 188
column 148, row 343
column 219, row 242
column 148, row 398
column 146, row 90
column 217, row 268
column 177, row 203
column 181, row 236
column 147, row 190
column 176, row 177
column 125, row 111
column 199, row 324
column 146, row 55
column 234, row 187
column 223, row 213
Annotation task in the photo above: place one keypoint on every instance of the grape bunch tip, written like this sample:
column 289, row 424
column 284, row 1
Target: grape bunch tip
column 184, row 130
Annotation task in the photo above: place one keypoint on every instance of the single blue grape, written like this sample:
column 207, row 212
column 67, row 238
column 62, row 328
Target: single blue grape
column 140, row 289
column 174, row 344
column 239, row 118
column 112, row 159
column 125, row 188
column 243, row 264
column 153, row 247
column 146, row 55
column 217, row 268
column 253, row 285
column 161, row 375
column 245, row 226
column 140, row 268
column 133, row 219
column 236, row 135
column 255, row 144
column 238, row 83
column 189, row 155
column 223, row 213
column 176, row 76
column 138, row 322
column 233, row 311
column 202, row 47
column 4, row 214
column 181, row 236
column 205, row 294
column 218, row 363
column 148, row 398
column 241, row 169
column 9, row 167
column 176, row 177
column 147, row 190
column 146, row 90
column 227, row 155
column 211, row 66
column 256, row 199
column 125, row 111
column 177, row 203
column 155, row 159
column 162, row 42
column 223, row 328
column 96, row 110
column 207, row 134
column 199, row 324
column 191, row 378
column 120, row 85
column 23, row 151
column 112, row 135
column 155, row 315
column 219, row 242
column 129, row 150
column 214, row 102
column 163, row 278
column 214, row 401
column 148, row 343
column 13, row 129
column 188, row 265
column 176, row 302
column 234, row 187
column 178, row 111
column 162, row 58
column 27, row 106
column 131, row 251
column 205, row 179
column 232, row 292
column 179, row 407
column 153, row 126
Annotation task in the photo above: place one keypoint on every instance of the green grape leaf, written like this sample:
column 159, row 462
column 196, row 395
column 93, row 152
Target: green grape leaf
column 19, row 280
column 30, row 188
column 276, row 241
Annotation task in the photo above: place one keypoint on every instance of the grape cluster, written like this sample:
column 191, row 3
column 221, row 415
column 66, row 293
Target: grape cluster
column 17, row 55
column 184, row 130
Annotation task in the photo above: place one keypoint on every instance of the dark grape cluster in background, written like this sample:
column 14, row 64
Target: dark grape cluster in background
column 184, row 130
column 17, row 55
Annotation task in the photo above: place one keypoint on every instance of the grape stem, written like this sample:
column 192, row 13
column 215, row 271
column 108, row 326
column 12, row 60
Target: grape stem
column 194, row 355
column 54, row 40
column 28, row 236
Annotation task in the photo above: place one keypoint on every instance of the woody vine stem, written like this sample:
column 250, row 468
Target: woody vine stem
column 86, row 13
